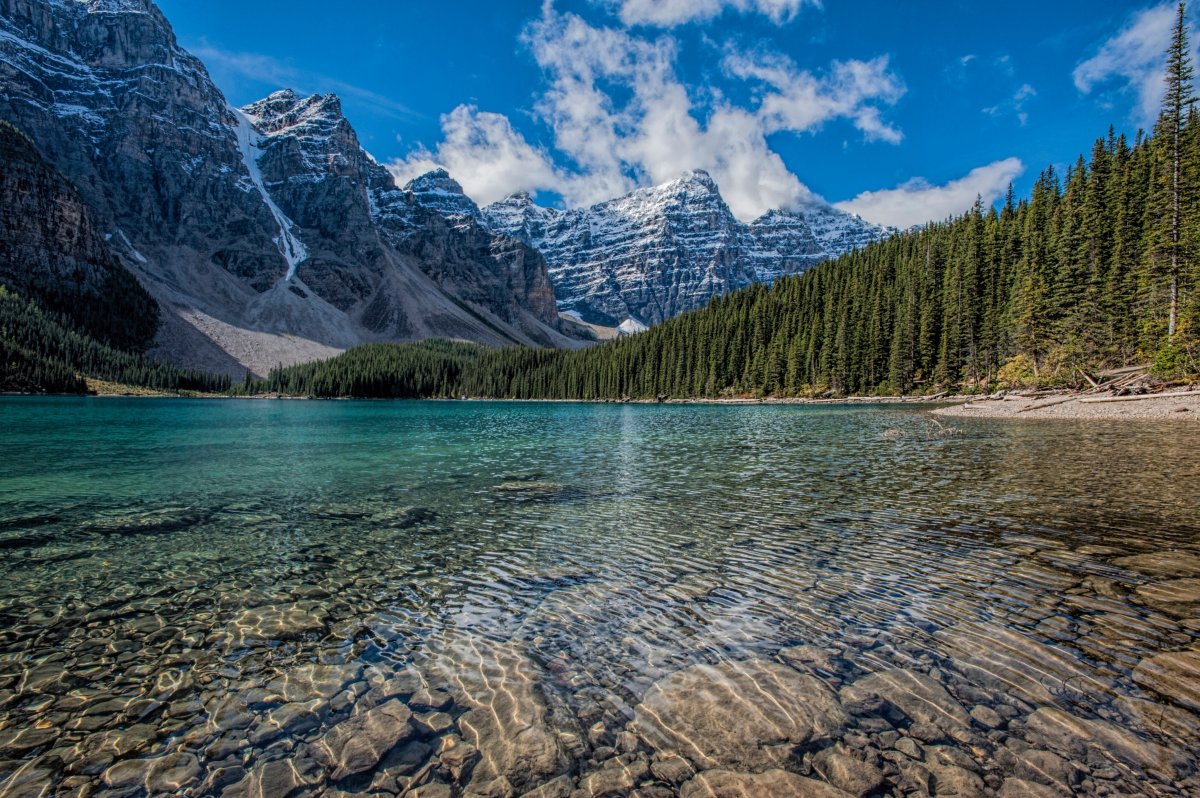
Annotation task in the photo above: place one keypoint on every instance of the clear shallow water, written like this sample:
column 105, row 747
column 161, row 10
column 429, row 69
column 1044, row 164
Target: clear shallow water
column 442, row 599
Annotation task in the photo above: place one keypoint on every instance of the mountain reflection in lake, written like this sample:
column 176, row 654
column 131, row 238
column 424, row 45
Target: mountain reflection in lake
column 490, row 599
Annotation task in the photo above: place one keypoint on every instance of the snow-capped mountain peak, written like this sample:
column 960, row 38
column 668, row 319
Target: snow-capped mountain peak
column 438, row 191
column 114, row 6
column 662, row 250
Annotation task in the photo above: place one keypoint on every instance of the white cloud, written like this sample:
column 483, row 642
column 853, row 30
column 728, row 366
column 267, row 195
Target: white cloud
column 621, row 117
column 670, row 13
column 485, row 154
column 917, row 202
column 1135, row 58
column 803, row 101
column 1015, row 104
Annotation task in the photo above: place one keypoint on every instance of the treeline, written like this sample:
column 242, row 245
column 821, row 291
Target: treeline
column 375, row 371
column 40, row 352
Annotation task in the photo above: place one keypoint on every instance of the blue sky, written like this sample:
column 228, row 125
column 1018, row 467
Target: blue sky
column 900, row 111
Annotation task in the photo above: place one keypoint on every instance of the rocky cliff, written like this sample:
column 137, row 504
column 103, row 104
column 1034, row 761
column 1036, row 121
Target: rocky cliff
column 660, row 251
column 52, row 251
column 267, row 234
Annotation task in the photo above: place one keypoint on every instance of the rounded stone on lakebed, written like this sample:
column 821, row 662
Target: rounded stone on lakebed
column 774, row 783
column 747, row 714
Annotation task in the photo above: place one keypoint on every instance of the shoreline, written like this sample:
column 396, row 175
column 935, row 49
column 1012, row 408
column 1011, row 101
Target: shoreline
column 1177, row 405
column 149, row 393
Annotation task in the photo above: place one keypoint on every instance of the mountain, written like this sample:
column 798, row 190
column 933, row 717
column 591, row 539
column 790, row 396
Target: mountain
column 266, row 234
column 657, row 252
column 52, row 251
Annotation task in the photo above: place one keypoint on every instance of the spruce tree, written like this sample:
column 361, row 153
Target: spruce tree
column 1170, row 133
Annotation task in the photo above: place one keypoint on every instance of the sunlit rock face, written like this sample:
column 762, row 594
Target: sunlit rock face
column 660, row 251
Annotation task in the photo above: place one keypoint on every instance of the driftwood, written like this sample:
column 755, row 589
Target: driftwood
column 1139, row 396
column 1121, row 371
column 1064, row 400
column 1091, row 382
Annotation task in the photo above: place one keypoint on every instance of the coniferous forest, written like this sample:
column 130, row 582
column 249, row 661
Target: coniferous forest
column 44, row 352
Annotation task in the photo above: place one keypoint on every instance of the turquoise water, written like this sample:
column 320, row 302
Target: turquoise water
column 207, row 597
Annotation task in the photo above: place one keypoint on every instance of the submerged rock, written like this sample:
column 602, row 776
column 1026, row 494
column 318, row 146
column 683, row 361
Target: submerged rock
column 279, row 778
column 1174, row 675
column 852, row 775
column 768, row 784
column 1074, row 735
column 1177, row 597
column 530, row 491
column 357, row 744
column 276, row 622
column 748, row 714
column 1012, row 663
column 916, row 695
column 1163, row 563
column 312, row 681
column 288, row 719
column 506, row 718
column 164, row 774
column 1019, row 788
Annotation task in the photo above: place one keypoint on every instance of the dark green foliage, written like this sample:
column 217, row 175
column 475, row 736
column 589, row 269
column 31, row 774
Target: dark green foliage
column 375, row 371
column 40, row 352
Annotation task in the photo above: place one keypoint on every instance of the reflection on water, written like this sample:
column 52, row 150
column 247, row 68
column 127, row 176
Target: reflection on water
column 443, row 599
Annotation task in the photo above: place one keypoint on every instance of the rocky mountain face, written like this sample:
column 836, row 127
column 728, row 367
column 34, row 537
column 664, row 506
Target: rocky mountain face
column 266, row 234
column 51, row 250
column 346, row 212
column 660, row 251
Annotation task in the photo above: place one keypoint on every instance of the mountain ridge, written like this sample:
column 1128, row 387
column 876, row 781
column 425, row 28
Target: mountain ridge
column 662, row 250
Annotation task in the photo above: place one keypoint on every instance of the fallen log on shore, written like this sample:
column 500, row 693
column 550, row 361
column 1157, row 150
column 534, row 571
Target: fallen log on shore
column 1139, row 396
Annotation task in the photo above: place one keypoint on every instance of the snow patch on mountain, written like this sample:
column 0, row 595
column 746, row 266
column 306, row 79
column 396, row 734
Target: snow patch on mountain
column 114, row 6
column 663, row 250
column 631, row 327
column 438, row 191
column 248, row 139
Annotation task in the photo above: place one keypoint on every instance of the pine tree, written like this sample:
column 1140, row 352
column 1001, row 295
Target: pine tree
column 1176, row 108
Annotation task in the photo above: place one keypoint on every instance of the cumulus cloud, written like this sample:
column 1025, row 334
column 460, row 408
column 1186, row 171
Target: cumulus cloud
column 485, row 154
column 1135, row 59
column 918, row 202
column 803, row 101
column 670, row 13
column 621, row 117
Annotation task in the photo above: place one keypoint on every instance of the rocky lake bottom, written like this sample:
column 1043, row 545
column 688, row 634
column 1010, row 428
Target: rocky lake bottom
column 572, row 601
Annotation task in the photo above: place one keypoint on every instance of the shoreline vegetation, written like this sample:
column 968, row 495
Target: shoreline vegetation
column 1175, row 403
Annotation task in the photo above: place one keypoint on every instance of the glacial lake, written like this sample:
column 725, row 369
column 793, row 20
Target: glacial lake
column 442, row 599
